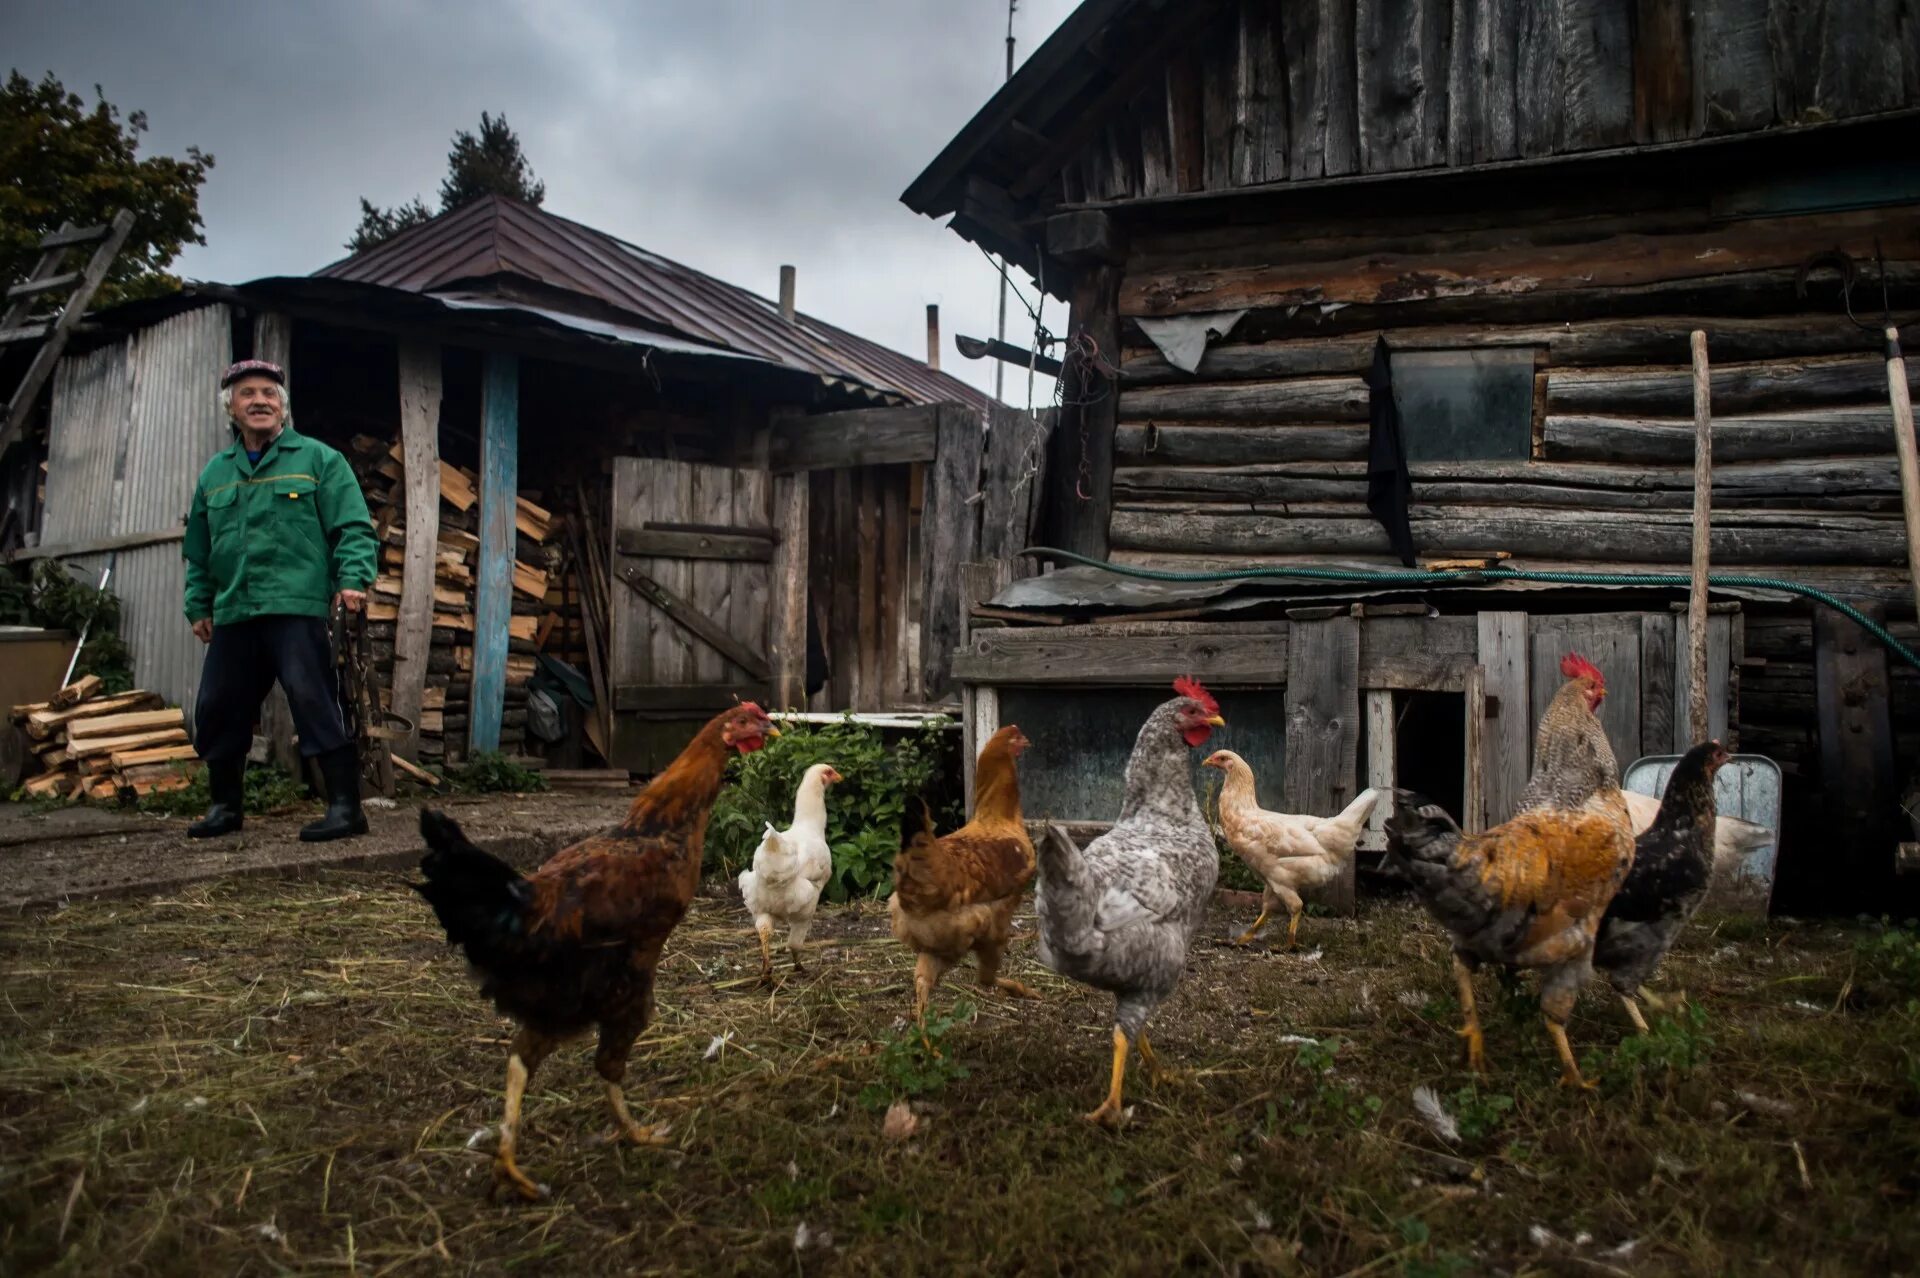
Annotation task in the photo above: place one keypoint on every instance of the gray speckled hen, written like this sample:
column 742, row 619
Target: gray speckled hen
column 1672, row 865
column 1119, row 915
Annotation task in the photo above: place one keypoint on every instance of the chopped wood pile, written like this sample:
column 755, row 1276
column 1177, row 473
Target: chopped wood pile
column 446, row 704
column 94, row 746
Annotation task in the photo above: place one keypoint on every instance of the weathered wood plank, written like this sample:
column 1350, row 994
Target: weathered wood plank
column 787, row 637
column 1401, row 48
column 1482, row 77
column 683, row 613
column 1382, row 741
column 493, row 578
column 949, row 533
column 420, row 444
column 1261, row 143
column 1609, row 641
column 1627, row 259
column 869, row 695
column 1080, row 467
column 1621, row 536
column 844, row 598
column 1152, row 128
column 1318, row 47
column 1660, row 663
column 684, row 700
column 1473, row 798
column 1301, row 399
column 1665, row 100
column 1736, row 88
column 1508, row 742
column 1833, row 432
column 1741, row 388
column 992, row 656
column 1323, row 729
column 1719, row 671
column 1219, row 54
column 1596, row 54
column 687, row 545
column 1837, row 58
column 1186, row 131
column 1136, row 444
column 857, row 437
column 1015, row 449
column 1540, row 79
column 1852, row 700
column 707, row 584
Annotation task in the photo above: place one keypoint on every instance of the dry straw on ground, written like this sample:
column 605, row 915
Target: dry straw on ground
column 267, row 1077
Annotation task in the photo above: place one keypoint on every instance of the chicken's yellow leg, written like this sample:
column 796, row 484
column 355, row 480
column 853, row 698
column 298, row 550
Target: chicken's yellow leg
column 624, row 1126
column 1110, row 1114
column 1569, row 1068
column 765, row 933
column 1476, row 1041
column 1246, row 937
column 1293, row 930
column 1633, row 1013
column 504, row 1166
column 1156, row 1072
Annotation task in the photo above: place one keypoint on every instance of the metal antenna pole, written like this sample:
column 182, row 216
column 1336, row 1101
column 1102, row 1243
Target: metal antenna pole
column 999, row 366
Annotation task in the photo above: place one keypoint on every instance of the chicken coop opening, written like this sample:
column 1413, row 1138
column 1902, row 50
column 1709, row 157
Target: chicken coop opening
column 1427, row 757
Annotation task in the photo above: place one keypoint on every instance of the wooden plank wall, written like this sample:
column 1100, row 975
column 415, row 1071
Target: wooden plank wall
column 1323, row 729
column 860, row 536
column 1329, row 88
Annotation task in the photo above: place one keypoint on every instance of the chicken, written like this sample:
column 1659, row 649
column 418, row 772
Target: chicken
column 790, row 868
column 573, row 946
column 1288, row 852
column 956, row 894
column 1733, row 838
column 1672, row 866
column 1119, row 914
column 1531, row 892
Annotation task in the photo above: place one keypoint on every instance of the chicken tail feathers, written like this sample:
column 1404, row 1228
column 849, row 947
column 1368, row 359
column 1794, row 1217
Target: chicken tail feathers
column 479, row 899
column 1420, row 830
column 1355, row 814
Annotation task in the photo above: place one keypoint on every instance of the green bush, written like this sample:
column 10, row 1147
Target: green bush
column 879, row 795
column 57, row 600
column 490, row 772
column 268, row 789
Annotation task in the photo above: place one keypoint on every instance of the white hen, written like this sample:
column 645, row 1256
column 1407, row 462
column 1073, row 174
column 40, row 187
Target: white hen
column 1288, row 852
column 790, row 868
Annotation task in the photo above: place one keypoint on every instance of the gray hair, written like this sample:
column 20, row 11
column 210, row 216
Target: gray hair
column 286, row 402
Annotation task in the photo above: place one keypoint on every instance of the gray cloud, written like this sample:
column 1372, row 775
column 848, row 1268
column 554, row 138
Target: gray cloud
column 728, row 135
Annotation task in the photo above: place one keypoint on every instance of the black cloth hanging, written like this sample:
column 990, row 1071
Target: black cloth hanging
column 1389, row 486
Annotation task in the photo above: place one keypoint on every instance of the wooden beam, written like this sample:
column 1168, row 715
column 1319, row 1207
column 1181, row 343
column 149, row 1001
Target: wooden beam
column 787, row 622
column 691, row 619
column 420, row 392
column 493, row 578
column 1381, row 741
column 949, row 531
column 1507, row 745
column 71, row 549
column 684, row 699
column 1323, row 729
column 689, row 545
column 857, row 437
column 1080, row 469
column 1085, row 236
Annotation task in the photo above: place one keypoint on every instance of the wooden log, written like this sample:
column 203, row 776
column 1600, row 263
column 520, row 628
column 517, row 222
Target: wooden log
column 122, row 759
column 73, row 694
column 1323, row 729
column 1625, row 260
column 110, row 725
column 1137, row 445
column 1304, row 399
column 1834, row 432
column 1742, row 388
column 1631, row 537
column 42, row 724
column 87, row 747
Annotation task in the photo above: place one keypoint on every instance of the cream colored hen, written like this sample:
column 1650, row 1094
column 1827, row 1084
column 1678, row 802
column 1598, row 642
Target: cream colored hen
column 1290, row 853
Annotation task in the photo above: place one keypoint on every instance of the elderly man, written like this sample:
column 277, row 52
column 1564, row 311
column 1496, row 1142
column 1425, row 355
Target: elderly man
column 278, row 533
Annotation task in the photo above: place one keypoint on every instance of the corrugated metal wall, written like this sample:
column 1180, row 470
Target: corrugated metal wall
column 133, row 424
column 176, row 427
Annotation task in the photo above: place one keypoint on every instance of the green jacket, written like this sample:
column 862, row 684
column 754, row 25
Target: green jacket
column 276, row 537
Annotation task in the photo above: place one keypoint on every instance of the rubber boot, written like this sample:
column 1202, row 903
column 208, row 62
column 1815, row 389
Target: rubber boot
column 344, row 819
column 226, row 781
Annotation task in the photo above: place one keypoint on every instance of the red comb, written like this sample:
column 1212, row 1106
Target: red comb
column 753, row 706
column 1575, row 666
column 1188, row 686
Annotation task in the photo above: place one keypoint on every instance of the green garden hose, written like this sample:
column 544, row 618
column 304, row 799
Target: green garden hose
column 1474, row 576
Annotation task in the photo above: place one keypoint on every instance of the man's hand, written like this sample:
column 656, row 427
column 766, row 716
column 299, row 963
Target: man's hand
column 203, row 630
column 352, row 600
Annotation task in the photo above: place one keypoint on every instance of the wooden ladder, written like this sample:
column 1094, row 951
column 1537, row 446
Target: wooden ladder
column 52, row 329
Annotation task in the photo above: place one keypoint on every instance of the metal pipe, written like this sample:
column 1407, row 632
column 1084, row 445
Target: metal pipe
column 786, row 293
column 933, row 336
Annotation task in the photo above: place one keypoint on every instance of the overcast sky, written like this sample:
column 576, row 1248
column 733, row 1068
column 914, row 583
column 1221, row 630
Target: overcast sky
column 731, row 136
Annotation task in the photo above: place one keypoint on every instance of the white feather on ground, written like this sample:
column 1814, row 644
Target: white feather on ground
column 1435, row 1115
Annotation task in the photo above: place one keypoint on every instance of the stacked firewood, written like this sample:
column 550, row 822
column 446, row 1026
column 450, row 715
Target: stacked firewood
column 95, row 746
column 447, row 703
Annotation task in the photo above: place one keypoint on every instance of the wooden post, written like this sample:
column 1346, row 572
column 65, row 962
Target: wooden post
column 1507, row 745
column 979, row 702
column 1323, row 729
column 493, row 584
column 273, row 340
column 420, row 450
column 1903, row 444
column 787, row 639
column 950, row 529
column 1080, row 472
column 1702, row 509
column 1381, row 736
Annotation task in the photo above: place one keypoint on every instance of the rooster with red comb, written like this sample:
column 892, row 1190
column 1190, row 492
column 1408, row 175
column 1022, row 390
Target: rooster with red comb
column 1118, row 914
column 1529, row 893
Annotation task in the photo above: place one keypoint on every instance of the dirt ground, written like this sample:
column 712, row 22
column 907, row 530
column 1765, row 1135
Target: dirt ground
column 275, row 1076
column 55, row 854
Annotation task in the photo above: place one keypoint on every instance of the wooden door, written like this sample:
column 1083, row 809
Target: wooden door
column 692, row 548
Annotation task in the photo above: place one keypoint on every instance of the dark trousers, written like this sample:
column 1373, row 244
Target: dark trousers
column 243, row 661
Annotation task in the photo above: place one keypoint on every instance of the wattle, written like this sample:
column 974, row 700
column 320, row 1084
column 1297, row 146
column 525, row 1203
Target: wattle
column 747, row 745
column 1197, row 736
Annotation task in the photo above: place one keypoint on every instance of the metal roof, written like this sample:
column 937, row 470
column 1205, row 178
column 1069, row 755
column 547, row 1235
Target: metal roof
column 500, row 240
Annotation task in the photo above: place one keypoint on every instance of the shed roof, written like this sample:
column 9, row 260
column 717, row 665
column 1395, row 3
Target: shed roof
column 496, row 241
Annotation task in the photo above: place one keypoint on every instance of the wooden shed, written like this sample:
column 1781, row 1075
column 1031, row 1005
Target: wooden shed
column 1534, row 205
column 572, row 447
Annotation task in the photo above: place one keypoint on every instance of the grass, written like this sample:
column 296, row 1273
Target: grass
column 266, row 1076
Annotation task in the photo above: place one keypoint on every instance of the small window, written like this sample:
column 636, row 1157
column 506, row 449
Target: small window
column 1465, row 405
